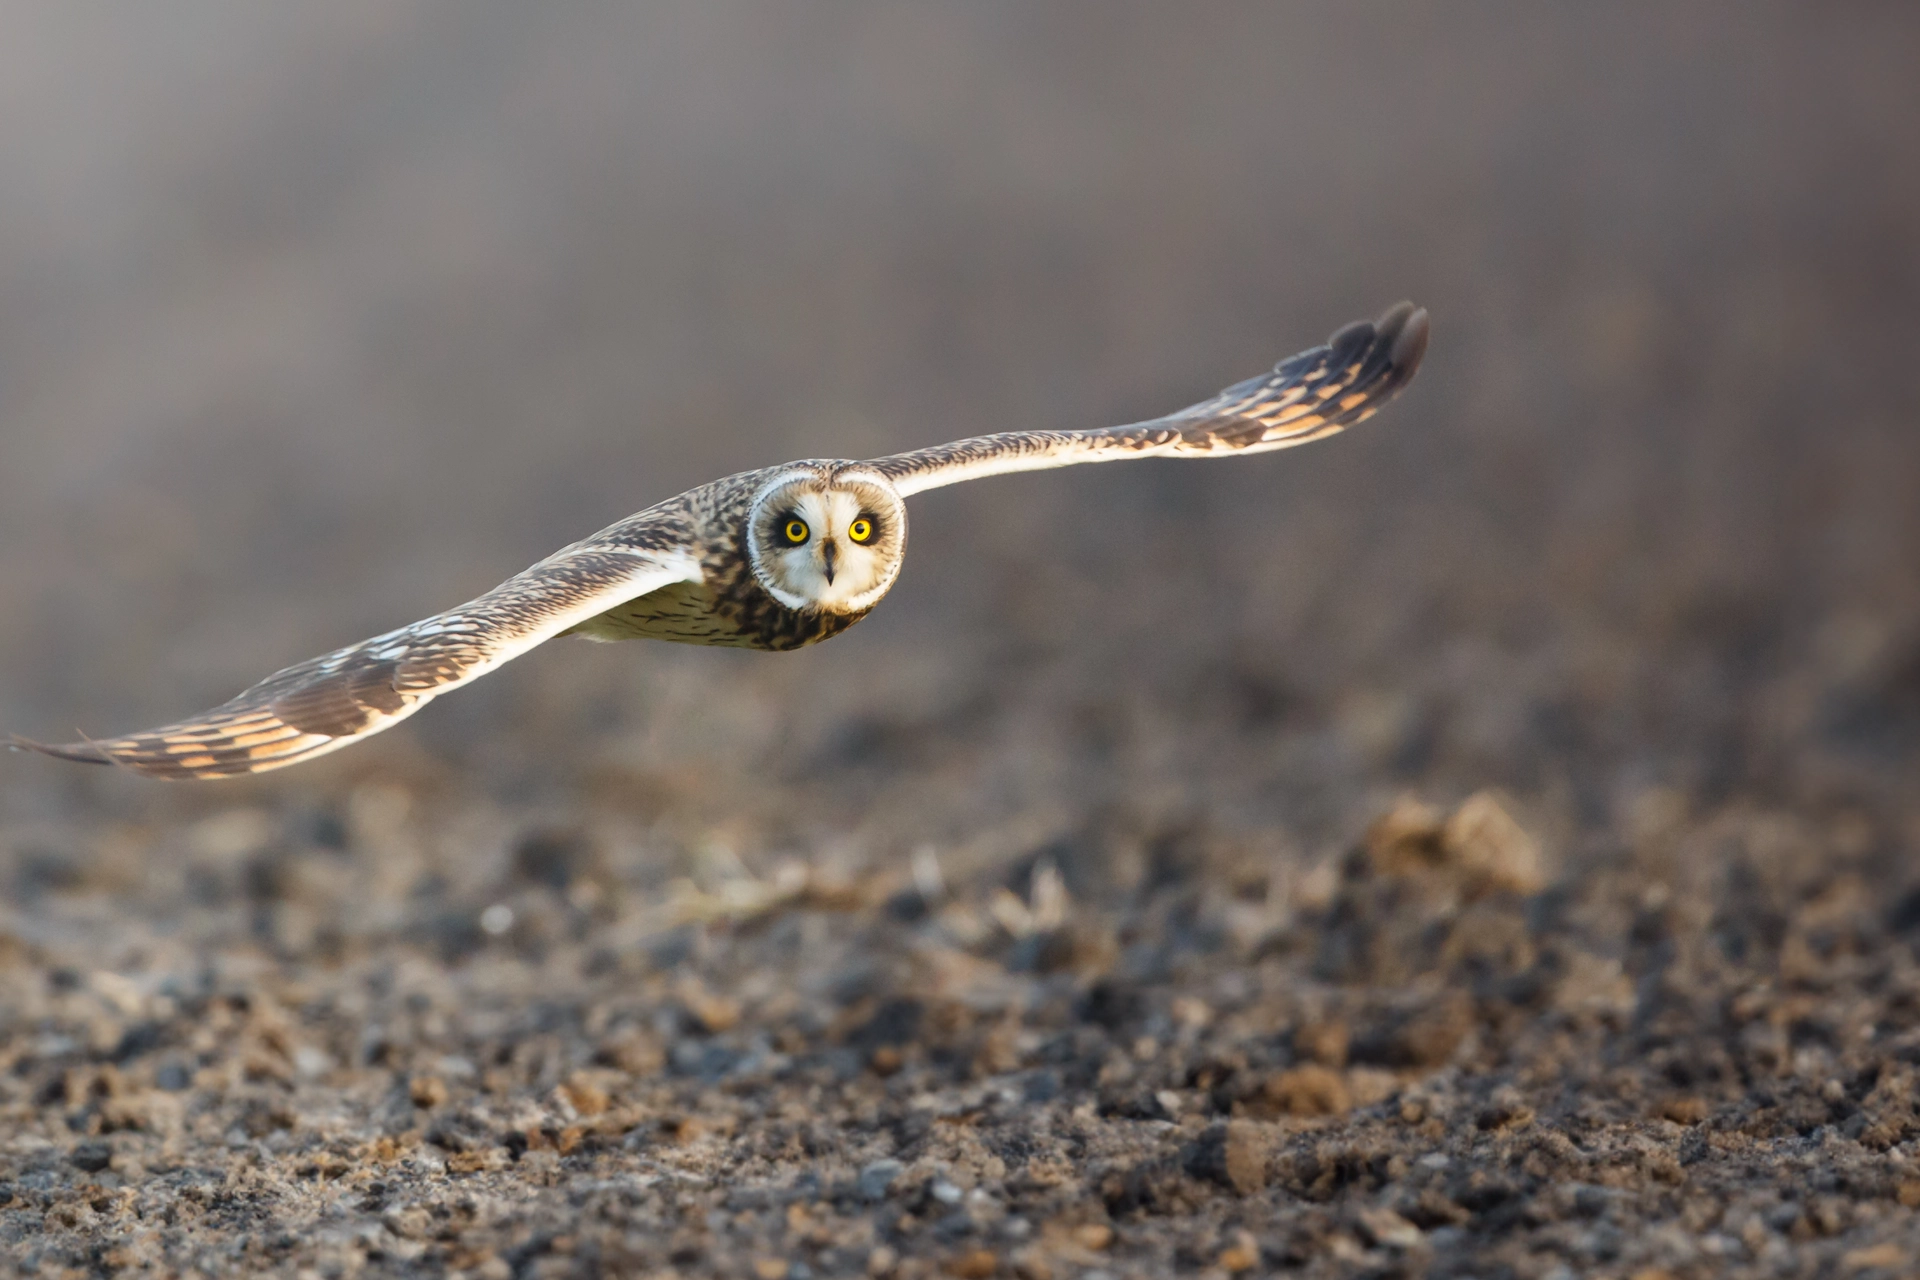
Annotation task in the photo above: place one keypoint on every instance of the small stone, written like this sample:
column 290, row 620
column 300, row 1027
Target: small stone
column 1686, row 1109
column 877, row 1179
column 1311, row 1090
column 1031, row 1264
column 1430, row 1035
column 1093, row 1235
column 410, row 1223
column 554, row 858
column 312, row 1063
column 1233, row 1154
column 1048, row 1171
column 1909, row 1194
column 1191, row 1012
column 587, row 1098
column 385, row 1149
column 715, row 1014
column 1323, row 1042
column 481, row 1161
column 1388, row 1229
column 634, row 1052
column 975, row 1264
column 770, row 1268
column 1404, row 839
column 91, row 1157
column 1504, row 1110
column 1242, row 1255
column 1492, row 849
column 882, row 1261
column 1369, row 1085
column 1887, row 1254
column 427, row 1092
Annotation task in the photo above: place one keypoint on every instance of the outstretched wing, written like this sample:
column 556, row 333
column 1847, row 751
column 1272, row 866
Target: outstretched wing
column 327, row 702
column 1311, row 395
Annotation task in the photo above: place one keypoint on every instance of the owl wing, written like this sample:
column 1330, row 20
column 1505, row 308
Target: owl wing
column 1313, row 394
column 327, row 702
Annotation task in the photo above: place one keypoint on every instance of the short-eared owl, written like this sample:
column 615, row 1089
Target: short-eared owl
column 771, row 559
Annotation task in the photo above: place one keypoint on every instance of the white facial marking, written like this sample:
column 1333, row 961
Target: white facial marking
column 805, row 552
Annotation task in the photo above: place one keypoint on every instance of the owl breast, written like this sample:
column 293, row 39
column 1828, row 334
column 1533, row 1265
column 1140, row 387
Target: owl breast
column 739, row 616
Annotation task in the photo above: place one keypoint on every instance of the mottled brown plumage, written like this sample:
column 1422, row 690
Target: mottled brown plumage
column 722, row 565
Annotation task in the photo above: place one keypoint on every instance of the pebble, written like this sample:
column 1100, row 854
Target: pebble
column 877, row 1179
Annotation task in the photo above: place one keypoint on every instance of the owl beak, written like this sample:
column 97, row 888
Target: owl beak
column 827, row 553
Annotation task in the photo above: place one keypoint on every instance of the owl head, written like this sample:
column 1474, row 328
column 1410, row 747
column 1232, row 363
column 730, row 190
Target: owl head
column 827, row 539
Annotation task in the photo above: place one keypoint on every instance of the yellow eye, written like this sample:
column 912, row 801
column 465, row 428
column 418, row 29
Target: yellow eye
column 860, row 530
column 796, row 531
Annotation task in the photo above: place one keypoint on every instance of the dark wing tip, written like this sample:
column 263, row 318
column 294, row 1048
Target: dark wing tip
column 1385, row 352
column 1404, row 327
column 84, row 752
column 1399, row 335
column 1401, row 331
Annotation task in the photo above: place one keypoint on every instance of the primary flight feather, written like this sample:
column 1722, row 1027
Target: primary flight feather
column 770, row 559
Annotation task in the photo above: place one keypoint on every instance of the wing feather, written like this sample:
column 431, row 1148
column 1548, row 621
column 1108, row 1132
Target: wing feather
column 1314, row 394
column 327, row 702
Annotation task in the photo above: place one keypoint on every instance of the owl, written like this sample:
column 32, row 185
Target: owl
column 773, row 559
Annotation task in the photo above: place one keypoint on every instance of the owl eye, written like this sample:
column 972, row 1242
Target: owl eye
column 795, row 531
column 860, row 530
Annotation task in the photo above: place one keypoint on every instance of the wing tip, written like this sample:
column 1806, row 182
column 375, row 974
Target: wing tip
column 217, row 762
column 82, row 752
column 1385, row 353
column 1397, row 339
column 1404, row 328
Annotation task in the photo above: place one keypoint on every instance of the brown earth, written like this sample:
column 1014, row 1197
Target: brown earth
column 1482, row 845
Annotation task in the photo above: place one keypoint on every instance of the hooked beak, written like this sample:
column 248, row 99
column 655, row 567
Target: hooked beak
column 827, row 553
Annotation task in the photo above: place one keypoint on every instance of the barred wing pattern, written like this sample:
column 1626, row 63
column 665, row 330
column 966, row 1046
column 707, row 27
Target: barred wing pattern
column 327, row 702
column 1314, row 394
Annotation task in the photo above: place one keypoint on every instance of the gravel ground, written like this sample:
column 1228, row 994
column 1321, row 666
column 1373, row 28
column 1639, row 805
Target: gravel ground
column 1482, row 845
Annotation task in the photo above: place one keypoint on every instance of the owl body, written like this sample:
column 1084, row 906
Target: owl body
column 727, row 607
column 773, row 559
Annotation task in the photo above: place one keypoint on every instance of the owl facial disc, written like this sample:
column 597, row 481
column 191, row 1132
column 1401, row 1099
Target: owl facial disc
column 831, row 542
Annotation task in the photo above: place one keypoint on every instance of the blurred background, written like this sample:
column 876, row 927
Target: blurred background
column 322, row 318
column 316, row 318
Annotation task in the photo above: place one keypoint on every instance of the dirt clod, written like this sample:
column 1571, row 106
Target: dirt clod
column 975, row 1264
column 1311, row 1090
column 427, row 1092
column 1242, row 1255
column 1492, row 851
column 1233, row 1154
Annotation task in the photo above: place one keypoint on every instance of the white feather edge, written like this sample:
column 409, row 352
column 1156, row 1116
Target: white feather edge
column 653, row 570
column 1070, row 453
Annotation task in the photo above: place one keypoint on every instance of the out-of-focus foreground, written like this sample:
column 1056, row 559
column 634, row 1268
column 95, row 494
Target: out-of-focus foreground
column 1480, row 844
